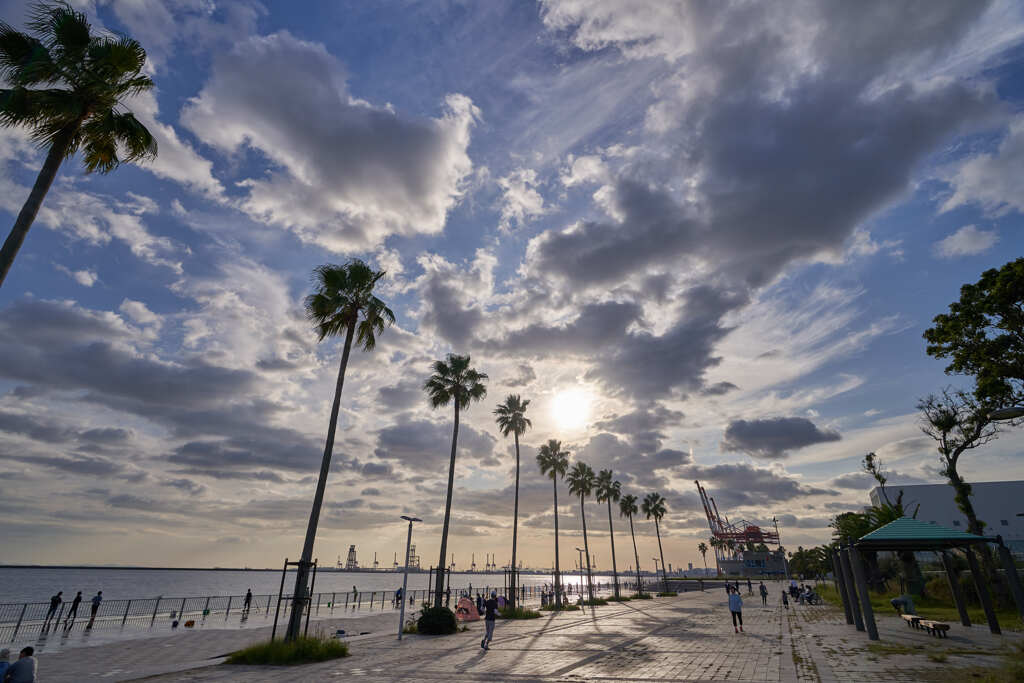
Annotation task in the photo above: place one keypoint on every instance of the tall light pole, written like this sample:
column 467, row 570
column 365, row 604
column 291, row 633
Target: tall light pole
column 580, row 551
column 785, row 565
column 405, row 575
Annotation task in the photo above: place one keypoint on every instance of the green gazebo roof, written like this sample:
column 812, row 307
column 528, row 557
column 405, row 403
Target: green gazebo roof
column 906, row 533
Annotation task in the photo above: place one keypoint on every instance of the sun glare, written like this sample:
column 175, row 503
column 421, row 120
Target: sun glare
column 571, row 408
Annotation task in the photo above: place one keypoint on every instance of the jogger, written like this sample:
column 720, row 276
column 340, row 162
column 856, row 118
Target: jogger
column 491, row 607
column 736, row 607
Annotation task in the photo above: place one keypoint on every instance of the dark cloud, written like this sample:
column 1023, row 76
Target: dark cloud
column 370, row 492
column 735, row 484
column 74, row 464
column 183, row 484
column 773, row 437
column 644, row 427
column 524, row 376
column 595, row 327
column 425, row 446
column 26, row 425
column 237, row 453
column 401, row 396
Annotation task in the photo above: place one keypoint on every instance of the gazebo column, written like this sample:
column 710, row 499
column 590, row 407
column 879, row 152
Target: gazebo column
column 862, row 590
column 954, row 587
column 837, row 569
column 851, row 590
column 983, row 594
column 1011, row 576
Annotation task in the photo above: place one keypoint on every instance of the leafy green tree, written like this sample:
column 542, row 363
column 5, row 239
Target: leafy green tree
column 983, row 335
column 342, row 303
column 702, row 548
column 68, row 86
column 628, row 508
column 581, row 482
column 609, row 491
column 654, row 507
column 554, row 462
column 455, row 382
column 872, row 464
column 511, row 419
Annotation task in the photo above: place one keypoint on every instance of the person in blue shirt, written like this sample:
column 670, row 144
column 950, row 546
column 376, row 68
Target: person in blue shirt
column 736, row 607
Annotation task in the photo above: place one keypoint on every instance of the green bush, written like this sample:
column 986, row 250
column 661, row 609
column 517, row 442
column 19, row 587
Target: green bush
column 596, row 602
column 304, row 650
column 518, row 613
column 620, row 598
column 566, row 607
column 667, row 594
column 643, row 596
column 436, row 621
column 410, row 627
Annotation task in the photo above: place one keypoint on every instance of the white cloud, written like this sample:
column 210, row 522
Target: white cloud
column 342, row 173
column 86, row 278
column 966, row 241
column 520, row 199
column 995, row 181
column 139, row 312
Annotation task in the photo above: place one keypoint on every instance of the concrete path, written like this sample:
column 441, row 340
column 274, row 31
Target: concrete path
column 667, row 639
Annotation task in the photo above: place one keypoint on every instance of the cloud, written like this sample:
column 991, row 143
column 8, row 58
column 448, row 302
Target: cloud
column 773, row 437
column 423, row 446
column 524, row 375
column 85, row 277
column 991, row 180
column 967, row 241
column 139, row 312
column 344, row 173
column 520, row 200
column 737, row 484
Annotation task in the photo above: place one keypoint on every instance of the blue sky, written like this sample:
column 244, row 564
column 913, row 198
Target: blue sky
column 703, row 238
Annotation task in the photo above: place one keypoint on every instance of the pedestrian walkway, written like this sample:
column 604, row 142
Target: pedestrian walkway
column 689, row 637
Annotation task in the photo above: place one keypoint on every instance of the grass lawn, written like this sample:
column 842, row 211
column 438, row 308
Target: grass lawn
column 930, row 608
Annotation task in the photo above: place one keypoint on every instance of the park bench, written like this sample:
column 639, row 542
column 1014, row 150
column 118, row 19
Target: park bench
column 935, row 628
column 912, row 620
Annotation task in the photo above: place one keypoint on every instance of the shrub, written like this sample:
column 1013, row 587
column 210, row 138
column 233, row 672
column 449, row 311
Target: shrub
column 596, row 602
column 620, row 598
column 643, row 596
column 410, row 627
column 436, row 621
column 304, row 650
column 518, row 613
column 667, row 594
column 564, row 608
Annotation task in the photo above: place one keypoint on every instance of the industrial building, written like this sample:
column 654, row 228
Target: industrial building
column 999, row 504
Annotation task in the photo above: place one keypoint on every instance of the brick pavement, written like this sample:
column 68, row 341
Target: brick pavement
column 667, row 639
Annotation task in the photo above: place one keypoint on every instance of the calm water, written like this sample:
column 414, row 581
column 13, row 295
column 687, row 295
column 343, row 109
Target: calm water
column 38, row 584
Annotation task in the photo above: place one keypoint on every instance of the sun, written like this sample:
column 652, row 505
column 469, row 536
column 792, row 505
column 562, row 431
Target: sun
column 571, row 408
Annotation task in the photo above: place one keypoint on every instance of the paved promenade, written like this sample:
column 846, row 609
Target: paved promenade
column 667, row 639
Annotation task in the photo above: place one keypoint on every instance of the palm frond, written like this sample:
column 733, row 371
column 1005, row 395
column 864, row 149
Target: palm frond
column 24, row 60
column 62, row 26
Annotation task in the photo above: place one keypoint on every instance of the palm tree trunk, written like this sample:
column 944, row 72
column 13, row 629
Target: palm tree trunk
column 58, row 150
column 664, row 576
column 515, row 526
column 586, row 551
column 439, row 582
column 302, row 574
column 611, row 537
column 639, row 582
column 558, row 571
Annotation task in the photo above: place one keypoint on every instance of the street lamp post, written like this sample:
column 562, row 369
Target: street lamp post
column 405, row 575
column 580, row 551
column 656, row 569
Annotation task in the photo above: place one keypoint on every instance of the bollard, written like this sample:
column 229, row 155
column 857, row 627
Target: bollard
column 126, row 608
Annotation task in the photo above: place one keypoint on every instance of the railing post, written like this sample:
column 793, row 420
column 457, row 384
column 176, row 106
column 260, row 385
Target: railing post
column 333, row 597
column 155, row 608
column 181, row 610
column 126, row 608
column 206, row 607
column 228, row 610
column 268, row 606
column 18, row 625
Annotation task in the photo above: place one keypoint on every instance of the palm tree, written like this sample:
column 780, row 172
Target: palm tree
column 453, row 381
column 581, row 482
column 553, row 461
column 654, row 507
column 608, row 491
column 511, row 419
column 702, row 548
column 342, row 303
column 628, row 508
column 67, row 86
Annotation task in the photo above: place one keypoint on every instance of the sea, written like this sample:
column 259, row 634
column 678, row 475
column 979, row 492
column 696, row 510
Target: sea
column 37, row 584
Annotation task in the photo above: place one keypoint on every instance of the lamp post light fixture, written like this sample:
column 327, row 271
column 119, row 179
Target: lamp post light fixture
column 405, row 574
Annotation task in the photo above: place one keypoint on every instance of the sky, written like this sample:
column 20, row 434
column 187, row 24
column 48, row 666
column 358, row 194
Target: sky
column 702, row 238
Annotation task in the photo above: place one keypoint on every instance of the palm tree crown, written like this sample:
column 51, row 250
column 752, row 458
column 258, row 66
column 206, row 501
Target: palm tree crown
column 67, row 86
column 453, row 379
column 653, row 506
column 581, row 480
column 606, row 488
column 343, row 297
column 553, row 461
column 510, row 415
column 627, row 505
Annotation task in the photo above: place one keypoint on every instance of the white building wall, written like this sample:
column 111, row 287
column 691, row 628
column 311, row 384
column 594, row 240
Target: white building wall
column 1000, row 504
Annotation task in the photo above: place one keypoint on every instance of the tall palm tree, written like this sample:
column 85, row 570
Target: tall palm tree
column 553, row 461
column 511, row 419
column 342, row 303
column 581, row 482
column 609, row 491
column 654, row 507
column 628, row 508
column 702, row 548
column 453, row 381
column 717, row 544
column 67, row 86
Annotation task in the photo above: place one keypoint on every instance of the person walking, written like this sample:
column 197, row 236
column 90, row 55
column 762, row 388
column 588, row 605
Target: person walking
column 23, row 670
column 750, row 587
column 785, row 599
column 491, row 608
column 764, row 595
column 736, row 608
column 96, row 600
column 73, row 611
column 55, row 601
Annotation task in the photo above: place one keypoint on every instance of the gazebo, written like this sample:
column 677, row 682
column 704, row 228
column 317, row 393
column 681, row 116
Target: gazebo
column 914, row 535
